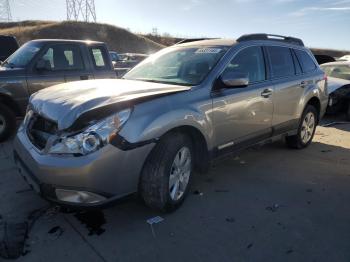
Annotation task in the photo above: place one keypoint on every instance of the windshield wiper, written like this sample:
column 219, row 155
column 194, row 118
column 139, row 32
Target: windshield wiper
column 7, row 63
column 161, row 82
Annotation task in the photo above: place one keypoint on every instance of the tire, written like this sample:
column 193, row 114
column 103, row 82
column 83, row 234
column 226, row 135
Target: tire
column 7, row 122
column 160, row 168
column 299, row 141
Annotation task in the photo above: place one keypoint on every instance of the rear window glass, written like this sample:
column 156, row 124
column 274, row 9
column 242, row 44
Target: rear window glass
column 306, row 61
column 281, row 61
column 337, row 71
column 98, row 58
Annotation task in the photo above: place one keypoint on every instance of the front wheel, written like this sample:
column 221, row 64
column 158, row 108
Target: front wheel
column 167, row 174
column 306, row 129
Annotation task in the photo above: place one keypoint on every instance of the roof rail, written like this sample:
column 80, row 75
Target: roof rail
column 281, row 38
column 189, row 40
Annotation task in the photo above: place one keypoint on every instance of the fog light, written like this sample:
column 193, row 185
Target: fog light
column 78, row 197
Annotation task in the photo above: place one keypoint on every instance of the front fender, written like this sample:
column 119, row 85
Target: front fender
column 153, row 119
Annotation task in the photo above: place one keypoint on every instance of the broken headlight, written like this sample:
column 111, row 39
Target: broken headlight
column 93, row 138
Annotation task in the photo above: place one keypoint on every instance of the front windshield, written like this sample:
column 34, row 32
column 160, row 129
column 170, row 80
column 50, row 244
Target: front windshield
column 337, row 71
column 22, row 56
column 178, row 65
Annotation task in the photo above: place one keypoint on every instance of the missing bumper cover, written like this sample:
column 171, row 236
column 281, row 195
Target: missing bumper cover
column 121, row 143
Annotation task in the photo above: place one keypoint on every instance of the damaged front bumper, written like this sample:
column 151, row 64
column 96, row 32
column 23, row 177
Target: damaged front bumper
column 94, row 180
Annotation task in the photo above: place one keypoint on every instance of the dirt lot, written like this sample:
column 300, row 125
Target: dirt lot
column 270, row 204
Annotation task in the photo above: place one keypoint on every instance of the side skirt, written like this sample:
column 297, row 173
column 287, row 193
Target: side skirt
column 233, row 150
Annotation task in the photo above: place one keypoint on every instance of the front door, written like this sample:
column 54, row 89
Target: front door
column 244, row 115
column 54, row 73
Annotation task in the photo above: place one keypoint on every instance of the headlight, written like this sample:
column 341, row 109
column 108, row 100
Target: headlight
column 93, row 138
column 27, row 117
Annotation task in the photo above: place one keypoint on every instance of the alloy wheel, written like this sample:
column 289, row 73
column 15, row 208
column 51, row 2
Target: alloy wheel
column 180, row 173
column 308, row 127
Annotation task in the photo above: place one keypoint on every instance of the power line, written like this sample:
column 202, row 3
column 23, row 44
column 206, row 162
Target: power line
column 78, row 10
column 5, row 11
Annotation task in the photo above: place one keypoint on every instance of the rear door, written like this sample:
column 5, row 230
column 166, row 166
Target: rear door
column 289, row 87
column 78, row 68
column 101, row 62
column 243, row 116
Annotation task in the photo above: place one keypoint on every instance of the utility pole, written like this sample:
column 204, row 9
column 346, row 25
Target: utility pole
column 5, row 11
column 81, row 10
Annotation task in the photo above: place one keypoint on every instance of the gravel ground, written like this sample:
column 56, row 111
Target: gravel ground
column 268, row 204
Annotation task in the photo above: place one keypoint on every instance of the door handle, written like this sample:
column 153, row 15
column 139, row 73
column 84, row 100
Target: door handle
column 266, row 93
column 84, row 77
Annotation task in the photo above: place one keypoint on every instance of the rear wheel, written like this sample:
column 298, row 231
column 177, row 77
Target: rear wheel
column 7, row 122
column 306, row 129
column 167, row 174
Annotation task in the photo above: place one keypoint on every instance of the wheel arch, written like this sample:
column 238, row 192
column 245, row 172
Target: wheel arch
column 315, row 102
column 199, row 142
column 10, row 103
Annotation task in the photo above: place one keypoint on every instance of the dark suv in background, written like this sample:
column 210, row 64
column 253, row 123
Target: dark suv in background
column 8, row 45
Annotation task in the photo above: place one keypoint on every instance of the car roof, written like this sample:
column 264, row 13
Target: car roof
column 210, row 42
column 66, row 41
column 337, row 63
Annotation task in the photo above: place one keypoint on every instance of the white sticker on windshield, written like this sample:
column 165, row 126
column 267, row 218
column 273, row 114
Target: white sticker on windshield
column 208, row 51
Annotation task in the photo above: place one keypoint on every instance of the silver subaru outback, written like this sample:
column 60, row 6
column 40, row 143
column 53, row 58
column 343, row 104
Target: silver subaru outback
column 90, row 143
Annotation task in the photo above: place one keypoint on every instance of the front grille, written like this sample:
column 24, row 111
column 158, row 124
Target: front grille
column 39, row 130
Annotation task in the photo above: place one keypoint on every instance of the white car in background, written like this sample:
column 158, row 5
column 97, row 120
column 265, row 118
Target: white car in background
column 345, row 58
column 338, row 86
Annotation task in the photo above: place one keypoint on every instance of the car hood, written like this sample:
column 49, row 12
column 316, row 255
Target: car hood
column 336, row 83
column 11, row 72
column 65, row 103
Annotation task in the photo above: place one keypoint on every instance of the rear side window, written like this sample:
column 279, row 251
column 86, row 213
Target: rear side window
column 249, row 61
column 306, row 61
column 281, row 59
column 98, row 57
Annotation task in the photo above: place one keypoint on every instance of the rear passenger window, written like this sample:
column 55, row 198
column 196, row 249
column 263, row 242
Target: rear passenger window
column 98, row 58
column 249, row 61
column 298, row 70
column 306, row 61
column 281, row 61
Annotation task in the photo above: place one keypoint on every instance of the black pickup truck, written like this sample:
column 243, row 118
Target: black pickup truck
column 42, row 63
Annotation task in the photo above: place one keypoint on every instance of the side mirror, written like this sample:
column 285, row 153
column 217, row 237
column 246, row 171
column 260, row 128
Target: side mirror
column 43, row 65
column 235, row 79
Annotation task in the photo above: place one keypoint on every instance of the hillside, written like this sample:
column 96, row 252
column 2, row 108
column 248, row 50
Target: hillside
column 117, row 39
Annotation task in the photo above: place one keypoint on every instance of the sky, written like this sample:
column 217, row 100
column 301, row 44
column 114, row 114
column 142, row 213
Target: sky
column 320, row 23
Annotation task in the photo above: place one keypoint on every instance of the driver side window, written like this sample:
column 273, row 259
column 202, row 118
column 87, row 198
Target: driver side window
column 250, row 61
column 64, row 57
